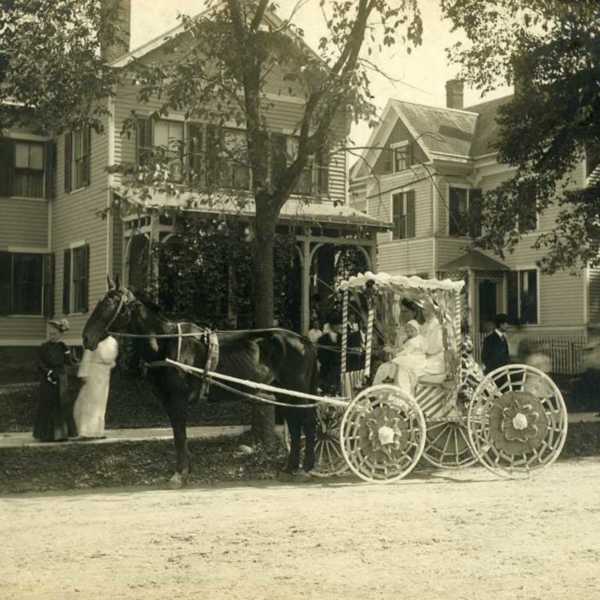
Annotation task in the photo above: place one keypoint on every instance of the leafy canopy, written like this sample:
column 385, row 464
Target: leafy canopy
column 550, row 51
column 52, row 74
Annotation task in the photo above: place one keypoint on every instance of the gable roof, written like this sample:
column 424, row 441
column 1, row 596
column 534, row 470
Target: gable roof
column 442, row 130
column 468, row 133
column 487, row 130
column 269, row 17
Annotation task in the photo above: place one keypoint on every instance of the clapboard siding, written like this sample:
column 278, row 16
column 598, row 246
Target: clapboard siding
column 562, row 300
column 406, row 257
column 75, row 218
column 23, row 222
column 449, row 249
column 380, row 205
column 22, row 330
column 281, row 115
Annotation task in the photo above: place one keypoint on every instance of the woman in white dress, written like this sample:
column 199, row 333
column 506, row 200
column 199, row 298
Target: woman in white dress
column 90, row 407
column 431, row 331
column 408, row 364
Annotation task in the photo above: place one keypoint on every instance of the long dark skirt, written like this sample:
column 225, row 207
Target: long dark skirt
column 51, row 420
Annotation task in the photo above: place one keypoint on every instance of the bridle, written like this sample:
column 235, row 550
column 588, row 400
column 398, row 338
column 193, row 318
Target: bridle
column 123, row 301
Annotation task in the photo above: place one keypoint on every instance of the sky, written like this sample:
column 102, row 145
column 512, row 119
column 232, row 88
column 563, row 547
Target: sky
column 417, row 77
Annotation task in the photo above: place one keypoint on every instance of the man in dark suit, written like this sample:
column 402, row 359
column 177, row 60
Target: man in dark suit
column 495, row 346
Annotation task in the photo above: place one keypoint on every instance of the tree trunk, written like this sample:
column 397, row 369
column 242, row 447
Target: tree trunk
column 263, row 415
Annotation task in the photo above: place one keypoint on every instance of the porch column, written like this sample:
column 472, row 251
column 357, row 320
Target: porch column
column 305, row 285
column 473, row 320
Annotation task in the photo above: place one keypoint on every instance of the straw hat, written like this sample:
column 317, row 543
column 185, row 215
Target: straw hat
column 62, row 325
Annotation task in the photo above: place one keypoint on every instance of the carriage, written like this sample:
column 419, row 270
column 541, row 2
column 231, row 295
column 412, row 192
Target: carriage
column 513, row 420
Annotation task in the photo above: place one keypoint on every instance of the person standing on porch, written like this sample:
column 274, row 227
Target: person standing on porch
column 495, row 351
column 90, row 406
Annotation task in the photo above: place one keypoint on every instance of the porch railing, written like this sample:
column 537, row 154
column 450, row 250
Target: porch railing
column 566, row 351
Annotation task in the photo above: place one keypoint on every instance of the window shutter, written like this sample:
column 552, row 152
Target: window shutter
column 196, row 171
column 398, row 218
column 5, row 280
column 85, row 266
column 49, row 285
column 410, row 214
column 454, row 214
column 87, row 151
column 68, row 161
column 388, row 160
column 475, row 213
column 66, row 281
column 50, row 169
column 143, row 139
column 512, row 297
column 323, row 171
column 278, row 156
column 213, row 146
column 7, row 166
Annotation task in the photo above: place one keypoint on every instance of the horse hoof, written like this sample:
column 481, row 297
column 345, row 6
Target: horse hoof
column 176, row 482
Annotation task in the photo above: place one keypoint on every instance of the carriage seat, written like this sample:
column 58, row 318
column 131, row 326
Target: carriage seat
column 433, row 380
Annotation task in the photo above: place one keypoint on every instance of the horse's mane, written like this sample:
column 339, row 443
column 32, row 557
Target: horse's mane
column 159, row 312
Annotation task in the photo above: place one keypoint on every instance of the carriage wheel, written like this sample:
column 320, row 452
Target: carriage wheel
column 329, row 458
column 382, row 434
column 517, row 420
column 447, row 445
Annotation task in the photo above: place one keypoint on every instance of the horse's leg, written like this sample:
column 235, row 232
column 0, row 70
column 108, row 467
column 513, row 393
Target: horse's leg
column 294, row 425
column 310, row 436
column 175, row 405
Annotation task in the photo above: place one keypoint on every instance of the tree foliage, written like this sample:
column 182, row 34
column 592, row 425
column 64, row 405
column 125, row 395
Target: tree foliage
column 550, row 51
column 205, row 272
column 52, row 73
column 219, row 71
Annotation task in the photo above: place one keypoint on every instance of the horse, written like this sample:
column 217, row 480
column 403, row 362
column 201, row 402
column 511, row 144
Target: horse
column 269, row 356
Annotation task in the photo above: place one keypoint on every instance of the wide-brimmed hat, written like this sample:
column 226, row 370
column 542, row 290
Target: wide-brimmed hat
column 62, row 325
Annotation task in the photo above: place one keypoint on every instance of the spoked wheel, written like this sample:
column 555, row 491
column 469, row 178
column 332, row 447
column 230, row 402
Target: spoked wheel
column 382, row 434
column 517, row 421
column 447, row 444
column 329, row 458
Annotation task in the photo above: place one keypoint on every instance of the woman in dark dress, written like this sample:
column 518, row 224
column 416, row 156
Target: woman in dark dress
column 51, row 420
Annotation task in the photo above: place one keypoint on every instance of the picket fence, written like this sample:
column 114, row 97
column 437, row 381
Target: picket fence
column 566, row 351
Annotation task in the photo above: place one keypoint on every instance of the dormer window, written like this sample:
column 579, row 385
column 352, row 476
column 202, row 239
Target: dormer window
column 397, row 157
column 401, row 156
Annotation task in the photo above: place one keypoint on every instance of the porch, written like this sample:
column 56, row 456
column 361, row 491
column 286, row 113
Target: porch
column 324, row 234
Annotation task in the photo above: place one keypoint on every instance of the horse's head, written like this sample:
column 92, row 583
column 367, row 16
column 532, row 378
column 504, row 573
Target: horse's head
column 113, row 312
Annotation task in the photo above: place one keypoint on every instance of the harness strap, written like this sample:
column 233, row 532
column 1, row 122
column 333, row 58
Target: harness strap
column 179, row 342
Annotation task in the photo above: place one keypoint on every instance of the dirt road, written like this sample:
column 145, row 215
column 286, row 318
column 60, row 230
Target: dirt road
column 442, row 535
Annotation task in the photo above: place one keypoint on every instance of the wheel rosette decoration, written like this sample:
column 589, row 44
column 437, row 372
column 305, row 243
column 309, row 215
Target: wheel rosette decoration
column 382, row 434
column 517, row 420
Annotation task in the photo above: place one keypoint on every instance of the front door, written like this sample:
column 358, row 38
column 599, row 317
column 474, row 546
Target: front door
column 489, row 297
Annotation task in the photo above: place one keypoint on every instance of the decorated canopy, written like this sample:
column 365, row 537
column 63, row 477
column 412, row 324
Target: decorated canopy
column 400, row 283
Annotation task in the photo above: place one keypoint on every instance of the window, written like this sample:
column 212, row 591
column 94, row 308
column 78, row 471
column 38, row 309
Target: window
column 161, row 140
column 527, row 211
column 234, row 171
column 464, row 212
column 403, row 217
column 29, row 170
column 75, row 279
column 315, row 175
column 397, row 157
column 23, row 168
column 23, row 282
column 522, row 298
column 402, row 158
column 78, row 159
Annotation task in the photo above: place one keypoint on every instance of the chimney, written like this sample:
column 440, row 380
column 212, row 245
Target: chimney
column 455, row 91
column 120, row 11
